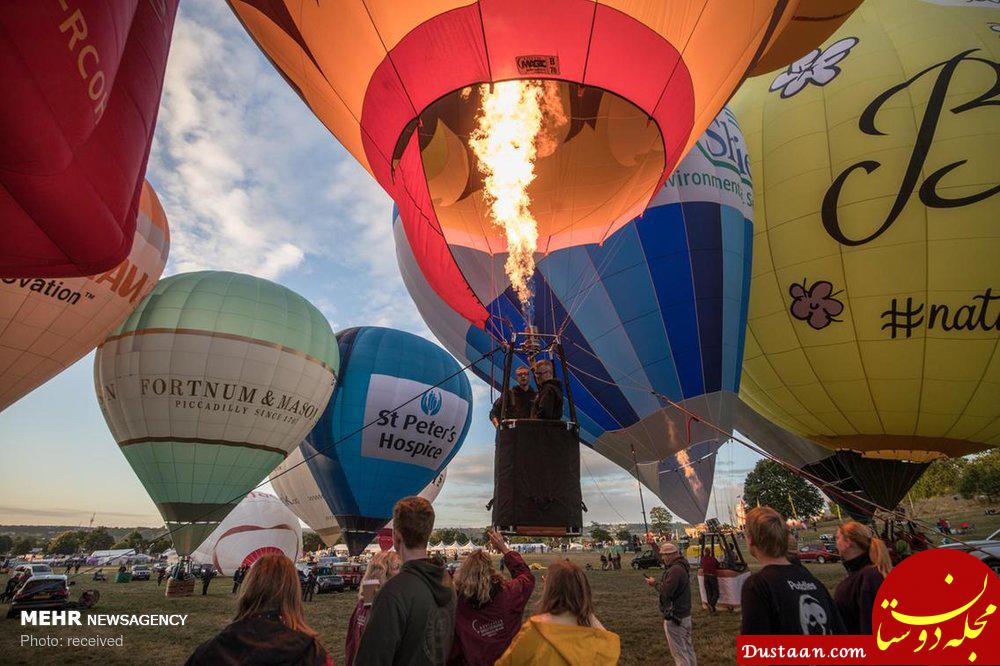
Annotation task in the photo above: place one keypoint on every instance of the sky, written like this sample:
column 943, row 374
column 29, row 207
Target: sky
column 252, row 182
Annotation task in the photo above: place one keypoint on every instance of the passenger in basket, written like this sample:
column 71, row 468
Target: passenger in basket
column 549, row 400
column 520, row 398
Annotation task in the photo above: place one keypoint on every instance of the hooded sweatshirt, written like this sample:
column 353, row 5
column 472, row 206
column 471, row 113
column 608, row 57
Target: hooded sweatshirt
column 260, row 639
column 541, row 643
column 412, row 620
column 483, row 632
column 548, row 401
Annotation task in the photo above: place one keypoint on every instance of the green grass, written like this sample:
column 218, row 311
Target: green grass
column 625, row 604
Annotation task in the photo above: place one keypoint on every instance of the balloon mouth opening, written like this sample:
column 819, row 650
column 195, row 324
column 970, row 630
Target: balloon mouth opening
column 592, row 173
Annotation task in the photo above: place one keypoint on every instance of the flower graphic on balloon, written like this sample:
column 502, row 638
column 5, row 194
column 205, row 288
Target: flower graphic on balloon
column 816, row 304
column 818, row 67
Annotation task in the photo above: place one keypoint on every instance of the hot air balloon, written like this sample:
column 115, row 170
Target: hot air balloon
column 259, row 525
column 658, row 308
column 46, row 325
column 614, row 94
column 873, row 318
column 293, row 480
column 208, row 385
column 81, row 84
column 417, row 407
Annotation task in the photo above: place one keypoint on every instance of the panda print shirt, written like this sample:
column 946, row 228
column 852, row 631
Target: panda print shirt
column 787, row 599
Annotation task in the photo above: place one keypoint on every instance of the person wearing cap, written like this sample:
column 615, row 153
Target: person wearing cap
column 675, row 604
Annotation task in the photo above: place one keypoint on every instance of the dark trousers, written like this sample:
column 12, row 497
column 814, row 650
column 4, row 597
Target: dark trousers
column 712, row 590
column 204, row 586
column 307, row 594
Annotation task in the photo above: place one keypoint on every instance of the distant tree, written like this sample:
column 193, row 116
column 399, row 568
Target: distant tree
column 449, row 535
column 771, row 484
column 598, row 533
column 134, row 541
column 311, row 542
column 99, row 539
column 623, row 534
column 660, row 521
column 942, row 477
column 65, row 543
column 22, row 545
column 981, row 476
column 157, row 546
column 6, row 543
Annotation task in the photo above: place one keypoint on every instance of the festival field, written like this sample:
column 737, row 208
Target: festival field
column 624, row 604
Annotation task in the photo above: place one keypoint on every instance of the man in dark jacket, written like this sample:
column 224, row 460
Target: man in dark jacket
column 709, row 574
column 310, row 587
column 675, row 604
column 520, row 397
column 549, row 399
column 412, row 620
column 207, row 574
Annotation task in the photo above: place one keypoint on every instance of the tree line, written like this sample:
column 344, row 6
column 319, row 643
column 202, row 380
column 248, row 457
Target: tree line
column 74, row 542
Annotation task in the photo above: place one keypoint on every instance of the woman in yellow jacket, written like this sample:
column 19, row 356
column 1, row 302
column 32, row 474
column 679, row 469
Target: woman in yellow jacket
column 565, row 631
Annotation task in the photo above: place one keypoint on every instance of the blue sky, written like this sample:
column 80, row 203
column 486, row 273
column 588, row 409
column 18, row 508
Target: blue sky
column 252, row 182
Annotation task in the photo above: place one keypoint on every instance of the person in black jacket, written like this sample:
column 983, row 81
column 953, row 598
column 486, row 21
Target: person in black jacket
column 549, row 399
column 412, row 620
column 310, row 587
column 782, row 598
column 675, row 604
column 207, row 574
column 867, row 561
column 269, row 627
column 520, row 397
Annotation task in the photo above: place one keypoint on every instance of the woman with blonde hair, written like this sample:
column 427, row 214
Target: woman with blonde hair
column 381, row 567
column 565, row 630
column 489, row 609
column 867, row 561
column 269, row 626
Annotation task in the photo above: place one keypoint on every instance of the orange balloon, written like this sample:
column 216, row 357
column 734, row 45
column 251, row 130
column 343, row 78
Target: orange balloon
column 46, row 325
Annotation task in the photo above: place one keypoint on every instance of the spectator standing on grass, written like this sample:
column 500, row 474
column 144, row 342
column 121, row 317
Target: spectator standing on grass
column 565, row 630
column 160, row 575
column 269, row 627
column 381, row 567
column 207, row 574
column 782, row 598
column 309, row 589
column 8, row 592
column 710, row 575
column 867, row 561
column 604, row 562
column 412, row 620
column 490, row 609
column 674, row 588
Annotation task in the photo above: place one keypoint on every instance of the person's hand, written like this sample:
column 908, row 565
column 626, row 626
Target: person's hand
column 650, row 580
column 496, row 422
column 497, row 540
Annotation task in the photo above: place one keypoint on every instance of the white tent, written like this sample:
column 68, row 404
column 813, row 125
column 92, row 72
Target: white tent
column 341, row 550
column 468, row 548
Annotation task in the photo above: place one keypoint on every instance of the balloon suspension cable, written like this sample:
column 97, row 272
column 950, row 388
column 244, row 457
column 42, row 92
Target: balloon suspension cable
column 235, row 500
column 830, row 488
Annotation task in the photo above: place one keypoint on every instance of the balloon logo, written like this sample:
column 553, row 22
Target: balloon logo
column 430, row 402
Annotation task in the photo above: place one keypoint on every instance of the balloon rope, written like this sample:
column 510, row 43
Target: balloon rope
column 828, row 487
column 238, row 498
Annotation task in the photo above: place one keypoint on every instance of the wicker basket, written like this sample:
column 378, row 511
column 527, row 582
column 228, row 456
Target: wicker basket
column 180, row 588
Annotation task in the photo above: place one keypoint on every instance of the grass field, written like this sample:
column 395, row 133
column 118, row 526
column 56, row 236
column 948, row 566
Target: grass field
column 624, row 604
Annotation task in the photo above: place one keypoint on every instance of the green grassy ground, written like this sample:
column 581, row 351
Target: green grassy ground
column 624, row 604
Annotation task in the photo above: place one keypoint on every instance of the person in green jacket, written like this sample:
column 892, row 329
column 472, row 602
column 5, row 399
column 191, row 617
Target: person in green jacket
column 412, row 620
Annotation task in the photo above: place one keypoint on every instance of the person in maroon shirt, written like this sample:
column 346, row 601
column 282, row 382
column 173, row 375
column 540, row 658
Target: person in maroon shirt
column 381, row 568
column 709, row 572
column 489, row 609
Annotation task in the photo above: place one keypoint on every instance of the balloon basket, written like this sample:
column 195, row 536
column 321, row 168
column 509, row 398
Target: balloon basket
column 180, row 588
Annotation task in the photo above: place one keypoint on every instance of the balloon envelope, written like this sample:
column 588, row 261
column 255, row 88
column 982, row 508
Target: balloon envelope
column 659, row 307
column 362, row 471
column 81, row 84
column 47, row 325
column 208, row 385
column 872, row 323
column 258, row 526
column 638, row 83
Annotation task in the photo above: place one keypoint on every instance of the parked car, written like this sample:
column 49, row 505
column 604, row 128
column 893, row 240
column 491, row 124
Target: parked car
column 987, row 550
column 47, row 591
column 26, row 571
column 351, row 572
column 330, row 583
column 816, row 552
column 140, row 572
column 831, row 548
column 646, row 560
